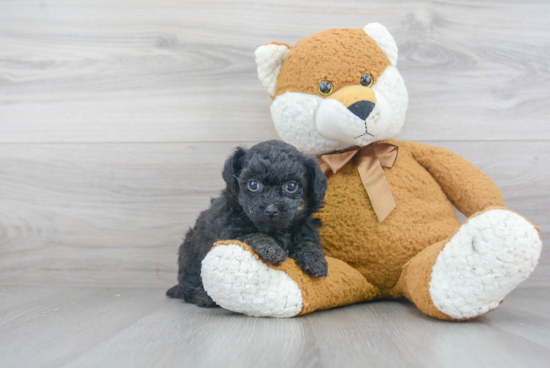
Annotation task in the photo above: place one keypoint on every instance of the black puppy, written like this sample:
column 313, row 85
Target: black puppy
column 272, row 191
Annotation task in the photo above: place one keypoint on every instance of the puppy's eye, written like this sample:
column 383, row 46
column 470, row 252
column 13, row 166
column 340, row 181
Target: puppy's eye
column 366, row 80
column 291, row 187
column 253, row 185
column 325, row 88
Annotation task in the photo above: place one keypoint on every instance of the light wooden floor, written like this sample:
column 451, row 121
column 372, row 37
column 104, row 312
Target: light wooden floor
column 115, row 120
column 128, row 327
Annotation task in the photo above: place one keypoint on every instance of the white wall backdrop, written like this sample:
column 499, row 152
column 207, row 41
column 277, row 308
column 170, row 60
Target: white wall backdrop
column 116, row 116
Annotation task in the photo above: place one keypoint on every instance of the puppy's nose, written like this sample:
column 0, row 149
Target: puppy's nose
column 362, row 109
column 271, row 210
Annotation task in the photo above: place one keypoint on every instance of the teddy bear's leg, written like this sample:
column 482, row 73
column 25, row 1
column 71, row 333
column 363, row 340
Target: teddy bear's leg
column 235, row 277
column 470, row 273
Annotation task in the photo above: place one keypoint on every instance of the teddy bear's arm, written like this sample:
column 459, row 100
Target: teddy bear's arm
column 469, row 189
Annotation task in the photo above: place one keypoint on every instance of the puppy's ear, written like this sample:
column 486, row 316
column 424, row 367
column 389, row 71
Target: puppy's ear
column 232, row 167
column 317, row 181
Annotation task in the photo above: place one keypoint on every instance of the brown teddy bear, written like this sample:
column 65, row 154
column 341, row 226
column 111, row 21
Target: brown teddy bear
column 389, row 226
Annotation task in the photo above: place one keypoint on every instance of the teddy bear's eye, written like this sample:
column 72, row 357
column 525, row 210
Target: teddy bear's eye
column 366, row 80
column 253, row 185
column 325, row 88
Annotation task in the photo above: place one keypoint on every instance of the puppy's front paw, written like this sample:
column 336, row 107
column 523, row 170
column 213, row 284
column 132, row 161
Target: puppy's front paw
column 273, row 254
column 313, row 263
column 267, row 248
column 203, row 300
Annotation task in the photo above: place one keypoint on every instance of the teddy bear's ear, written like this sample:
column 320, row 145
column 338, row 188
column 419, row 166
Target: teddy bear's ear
column 384, row 39
column 269, row 59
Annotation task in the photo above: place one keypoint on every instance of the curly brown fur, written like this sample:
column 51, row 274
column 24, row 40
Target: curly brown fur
column 275, row 221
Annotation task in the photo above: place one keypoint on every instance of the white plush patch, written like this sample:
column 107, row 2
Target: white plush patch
column 486, row 259
column 390, row 90
column 269, row 59
column 237, row 281
column 293, row 114
column 384, row 39
column 335, row 122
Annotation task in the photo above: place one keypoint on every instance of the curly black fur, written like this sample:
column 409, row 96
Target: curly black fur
column 273, row 221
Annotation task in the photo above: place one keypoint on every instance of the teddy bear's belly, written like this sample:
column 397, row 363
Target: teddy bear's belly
column 351, row 231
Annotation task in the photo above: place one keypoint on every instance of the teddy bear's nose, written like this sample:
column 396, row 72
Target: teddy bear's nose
column 362, row 109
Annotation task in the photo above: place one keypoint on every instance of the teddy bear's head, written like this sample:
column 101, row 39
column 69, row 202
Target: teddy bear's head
column 335, row 89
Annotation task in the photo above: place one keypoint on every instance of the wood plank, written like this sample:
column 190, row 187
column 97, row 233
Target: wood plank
column 398, row 334
column 524, row 315
column 114, row 214
column 171, row 70
column 51, row 331
column 142, row 328
column 16, row 301
column 532, row 300
column 380, row 334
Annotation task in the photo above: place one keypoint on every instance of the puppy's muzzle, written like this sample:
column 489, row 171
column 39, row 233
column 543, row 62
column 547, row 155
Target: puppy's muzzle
column 358, row 99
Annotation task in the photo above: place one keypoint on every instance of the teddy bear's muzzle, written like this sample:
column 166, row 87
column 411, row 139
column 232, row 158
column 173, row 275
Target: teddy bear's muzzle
column 343, row 115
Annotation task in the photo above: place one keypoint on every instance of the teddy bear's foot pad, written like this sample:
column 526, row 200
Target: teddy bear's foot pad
column 239, row 282
column 487, row 258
